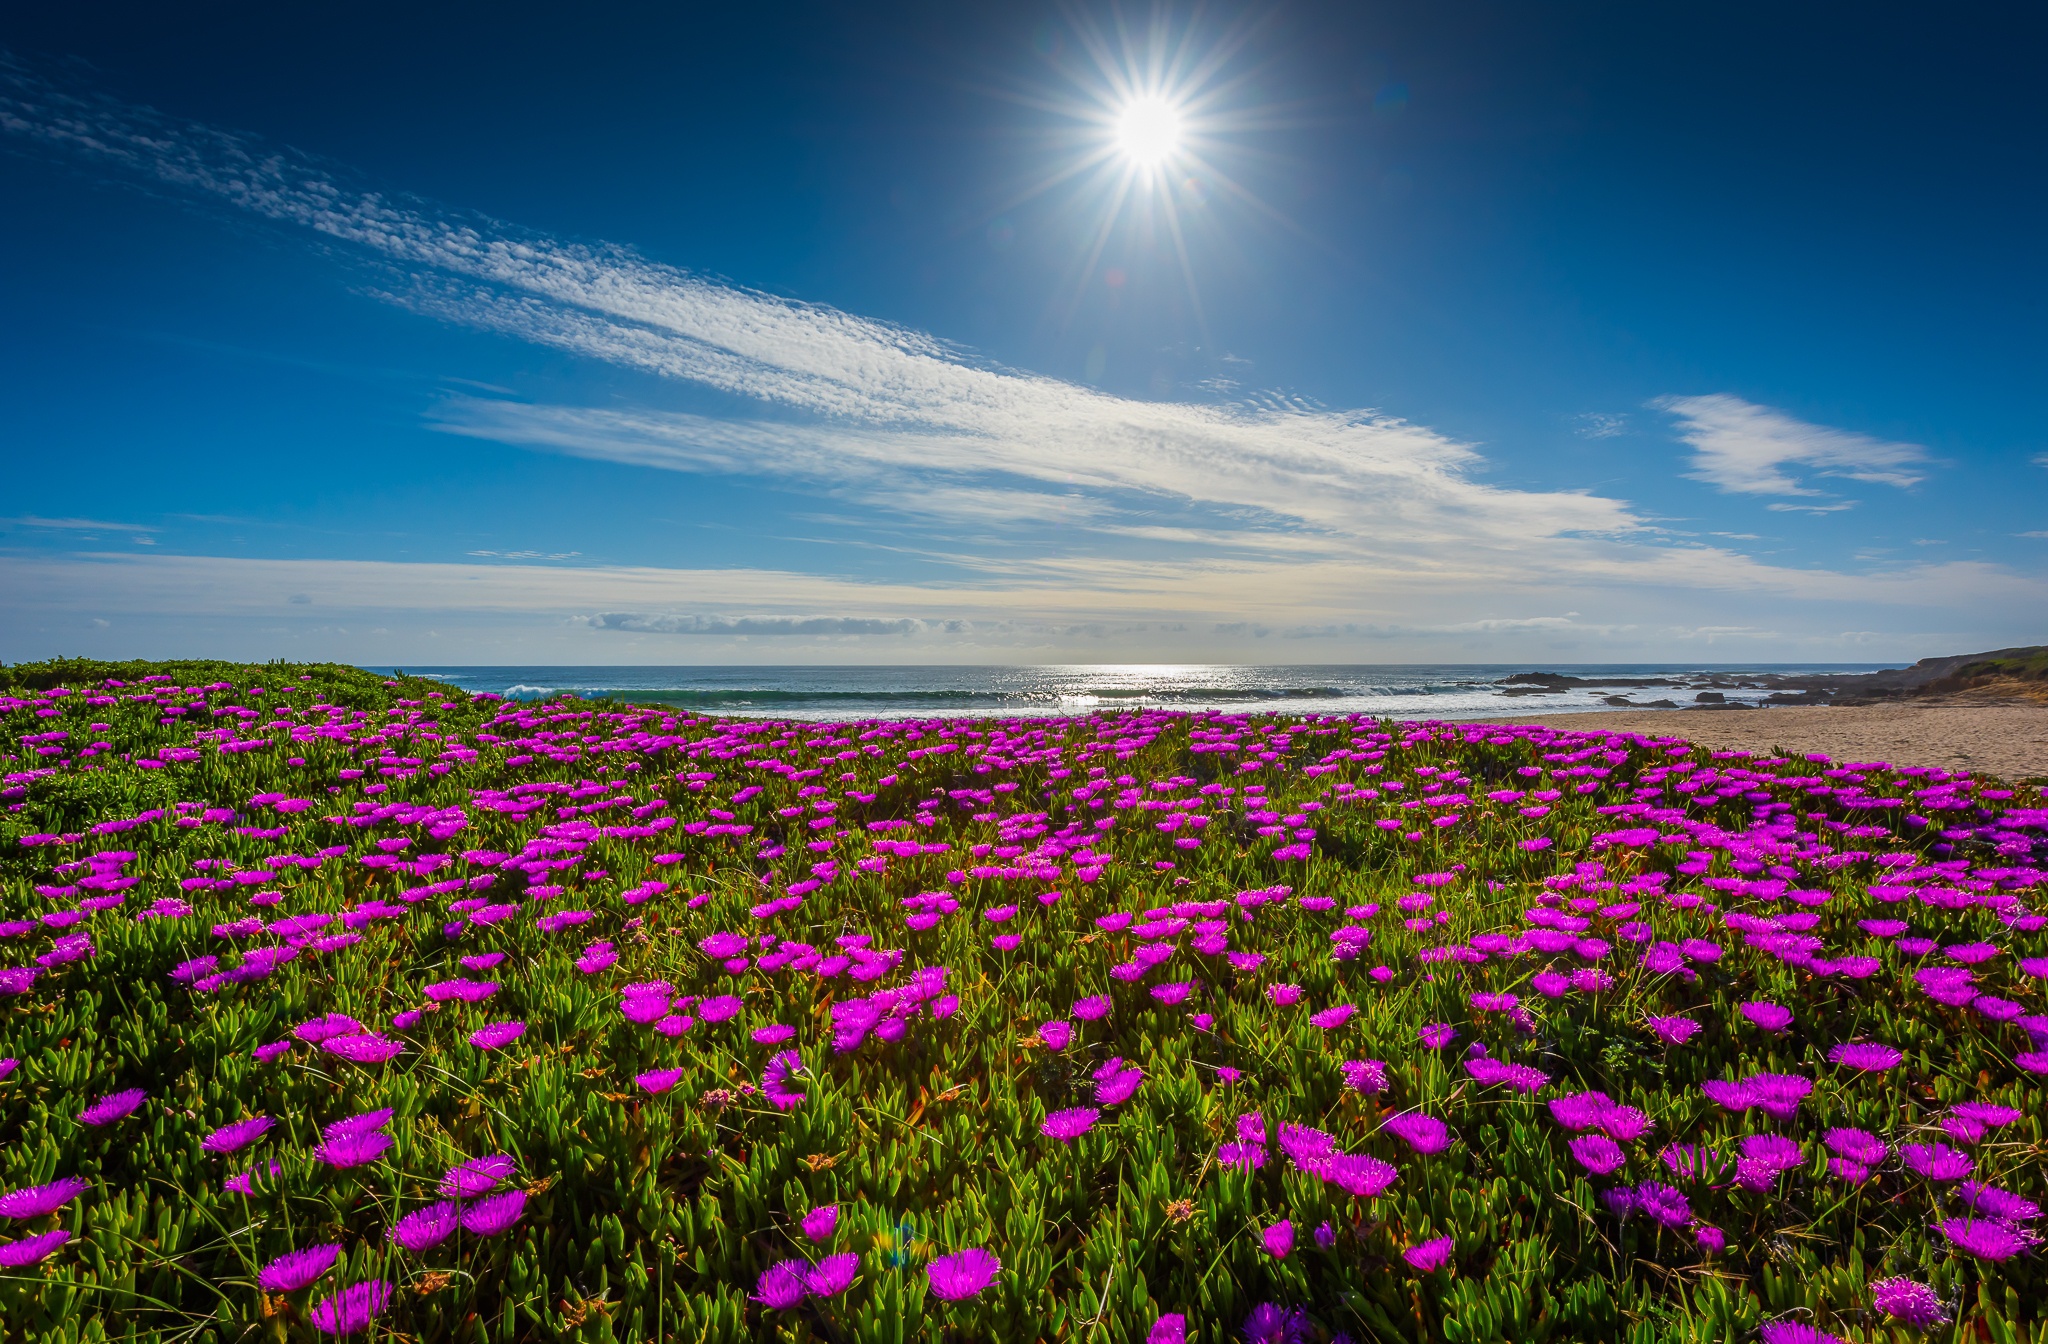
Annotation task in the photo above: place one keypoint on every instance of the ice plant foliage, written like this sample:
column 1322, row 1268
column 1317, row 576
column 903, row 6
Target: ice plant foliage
column 345, row 989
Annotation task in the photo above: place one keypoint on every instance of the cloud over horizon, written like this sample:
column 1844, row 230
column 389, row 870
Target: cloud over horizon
column 1266, row 513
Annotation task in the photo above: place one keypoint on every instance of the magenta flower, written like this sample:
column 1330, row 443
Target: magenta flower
column 494, row 1035
column 1795, row 1332
column 1329, row 1019
column 1170, row 1328
column 34, row 1201
column 1429, row 1256
column 1070, row 1124
column 1436, row 1035
column 781, row 1285
column 1279, row 1239
column 1711, row 1240
column 833, row 1275
column 353, row 1308
column 495, row 1215
column 820, row 1222
column 1120, row 1086
column 366, row 1048
column 244, row 1183
column 659, row 1080
column 1916, row 1304
column 1673, row 1030
column 1982, row 1238
column 1937, row 1161
column 1769, row 1016
column 478, row 1176
column 1857, row 1146
column 2002, row 1205
column 1093, row 1008
column 424, row 1229
column 956, row 1277
column 295, row 1269
column 32, row 1250
column 1597, row 1153
column 114, row 1106
column 1520, row 1077
column 1663, row 1203
column 353, row 1150
column 1869, row 1056
column 1364, row 1075
column 1424, row 1133
column 775, row 1080
column 237, row 1136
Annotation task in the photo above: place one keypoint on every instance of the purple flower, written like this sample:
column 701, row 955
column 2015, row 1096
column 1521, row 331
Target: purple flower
column 1673, row 1030
column 1170, row 1328
column 1332, row 1018
column 1056, row 1034
column 113, row 1106
column 1070, row 1124
column 366, row 1048
column 424, row 1229
column 1988, row 1114
column 1773, row 1152
column 1269, row 1324
column 493, row 1035
column 342, row 1151
column 2003, row 1205
column 1520, row 1077
column 1937, row 1161
column 1120, row 1086
column 1428, row 1256
column 1597, row 1153
column 1984, row 1239
column 959, row 1276
column 1424, row 1133
column 31, row 1250
column 781, row 1285
column 1711, row 1239
column 1279, row 1239
column 1858, row 1146
column 353, row 1308
column 1905, row 1300
column 489, row 1217
column 1093, row 1008
column 1769, row 1016
column 1796, row 1332
column 295, row 1269
column 237, row 1136
column 34, row 1201
column 1243, row 1156
column 659, row 1080
column 1364, row 1075
column 775, row 1033
column 1436, row 1035
column 478, row 1176
column 820, row 1222
column 1870, row 1056
column 775, row 1080
column 1326, row 1234
column 1663, row 1203
column 833, row 1275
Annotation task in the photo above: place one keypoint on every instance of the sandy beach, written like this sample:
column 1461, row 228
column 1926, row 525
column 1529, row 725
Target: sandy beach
column 2010, row 741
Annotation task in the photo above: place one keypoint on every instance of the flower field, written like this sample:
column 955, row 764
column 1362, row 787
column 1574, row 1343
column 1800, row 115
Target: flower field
column 333, row 1005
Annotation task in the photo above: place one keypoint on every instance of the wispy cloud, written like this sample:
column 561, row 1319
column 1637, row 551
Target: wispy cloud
column 73, row 524
column 1599, row 425
column 1196, row 517
column 1745, row 448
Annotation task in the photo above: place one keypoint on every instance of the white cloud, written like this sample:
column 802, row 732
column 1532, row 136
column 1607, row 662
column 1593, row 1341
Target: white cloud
column 1341, row 525
column 73, row 524
column 1599, row 425
column 1743, row 448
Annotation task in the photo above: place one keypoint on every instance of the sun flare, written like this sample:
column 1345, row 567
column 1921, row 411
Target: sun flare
column 1148, row 130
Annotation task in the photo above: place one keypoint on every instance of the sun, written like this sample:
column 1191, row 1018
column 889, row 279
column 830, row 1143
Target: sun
column 1148, row 130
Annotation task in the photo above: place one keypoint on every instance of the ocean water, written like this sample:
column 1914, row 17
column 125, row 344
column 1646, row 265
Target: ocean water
column 1406, row 691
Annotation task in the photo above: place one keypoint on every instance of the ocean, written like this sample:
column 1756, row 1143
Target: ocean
column 1404, row 691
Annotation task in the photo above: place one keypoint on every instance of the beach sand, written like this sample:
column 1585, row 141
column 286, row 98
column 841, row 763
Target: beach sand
column 2010, row 741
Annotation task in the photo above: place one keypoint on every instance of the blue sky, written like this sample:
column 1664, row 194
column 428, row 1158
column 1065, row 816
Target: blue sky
column 669, row 334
